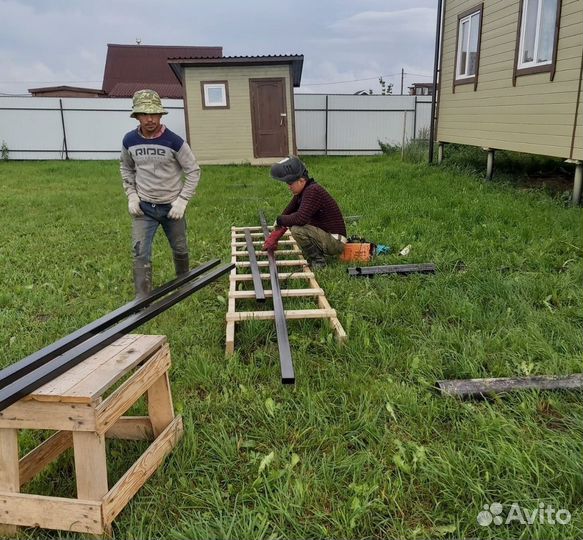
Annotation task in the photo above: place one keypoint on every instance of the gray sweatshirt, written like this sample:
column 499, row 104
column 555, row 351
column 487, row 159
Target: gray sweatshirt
column 153, row 168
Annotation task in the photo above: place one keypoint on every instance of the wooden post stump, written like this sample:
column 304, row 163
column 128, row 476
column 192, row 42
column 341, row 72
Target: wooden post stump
column 75, row 406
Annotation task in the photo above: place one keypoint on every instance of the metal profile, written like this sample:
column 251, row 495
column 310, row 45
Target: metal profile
column 257, row 283
column 55, row 367
column 285, row 359
column 35, row 360
column 368, row 271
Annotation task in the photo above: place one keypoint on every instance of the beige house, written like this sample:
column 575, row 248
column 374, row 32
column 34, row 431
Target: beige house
column 511, row 78
column 240, row 109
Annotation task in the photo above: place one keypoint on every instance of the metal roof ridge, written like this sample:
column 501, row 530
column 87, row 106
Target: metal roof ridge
column 236, row 57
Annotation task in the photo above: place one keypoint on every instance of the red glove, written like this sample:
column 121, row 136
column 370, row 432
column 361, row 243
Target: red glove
column 271, row 241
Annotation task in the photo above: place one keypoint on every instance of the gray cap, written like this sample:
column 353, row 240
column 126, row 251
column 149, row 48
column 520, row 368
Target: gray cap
column 289, row 170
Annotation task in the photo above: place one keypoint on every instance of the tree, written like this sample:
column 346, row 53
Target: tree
column 386, row 88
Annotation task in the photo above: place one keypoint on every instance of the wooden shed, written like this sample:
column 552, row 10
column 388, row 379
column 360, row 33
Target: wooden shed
column 240, row 109
column 510, row 77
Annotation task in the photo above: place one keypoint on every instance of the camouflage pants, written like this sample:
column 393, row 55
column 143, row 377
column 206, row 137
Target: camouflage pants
column 316, row 243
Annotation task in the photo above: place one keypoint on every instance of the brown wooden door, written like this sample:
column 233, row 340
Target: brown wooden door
column 269, row 117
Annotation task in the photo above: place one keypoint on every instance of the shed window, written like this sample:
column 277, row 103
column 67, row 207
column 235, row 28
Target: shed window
column 215, row 94
column 537, row 33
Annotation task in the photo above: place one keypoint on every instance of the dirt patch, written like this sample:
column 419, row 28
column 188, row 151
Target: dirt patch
column 554, row 182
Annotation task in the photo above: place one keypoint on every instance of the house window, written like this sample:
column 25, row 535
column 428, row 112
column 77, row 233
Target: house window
column 468, row 46
column 215, row 94
column 538, row 28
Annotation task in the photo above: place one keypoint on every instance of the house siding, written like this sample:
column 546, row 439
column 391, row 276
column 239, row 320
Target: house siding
column 535, row 116
column 220, row 136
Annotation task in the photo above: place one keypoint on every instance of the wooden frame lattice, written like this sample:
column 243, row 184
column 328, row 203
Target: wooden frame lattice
column 294, row 268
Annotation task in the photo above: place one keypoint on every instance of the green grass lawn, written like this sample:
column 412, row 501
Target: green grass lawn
column 362, row 446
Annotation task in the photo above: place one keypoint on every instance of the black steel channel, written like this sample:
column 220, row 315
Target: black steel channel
column 367, row 271
column 285, row 359
column 35, row 360
column 52, row 369
column 257, row 282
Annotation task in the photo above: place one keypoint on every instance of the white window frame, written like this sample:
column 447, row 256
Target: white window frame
column 467, row 19
column 523, row 29
column 207, row 102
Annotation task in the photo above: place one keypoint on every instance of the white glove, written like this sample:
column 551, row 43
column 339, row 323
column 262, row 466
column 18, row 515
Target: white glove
column 134, row 205
column 178, row 208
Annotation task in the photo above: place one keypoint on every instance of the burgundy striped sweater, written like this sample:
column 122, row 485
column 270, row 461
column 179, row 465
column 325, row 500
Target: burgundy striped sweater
column 314, row 206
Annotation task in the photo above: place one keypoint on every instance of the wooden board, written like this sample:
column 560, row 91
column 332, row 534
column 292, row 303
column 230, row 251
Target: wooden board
column 87, row 381
column 477, row 387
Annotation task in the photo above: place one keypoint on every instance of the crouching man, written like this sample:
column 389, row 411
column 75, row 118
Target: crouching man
column 313, row 216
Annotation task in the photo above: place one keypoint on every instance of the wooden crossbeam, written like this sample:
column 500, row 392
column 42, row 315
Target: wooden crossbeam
column 265, row 264
column 285, row 293
column 282, row 276
column 289, row 314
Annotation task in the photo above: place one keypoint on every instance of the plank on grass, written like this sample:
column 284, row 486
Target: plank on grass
column 476, row 387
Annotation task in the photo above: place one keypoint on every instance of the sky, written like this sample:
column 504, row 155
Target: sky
column 347, row 44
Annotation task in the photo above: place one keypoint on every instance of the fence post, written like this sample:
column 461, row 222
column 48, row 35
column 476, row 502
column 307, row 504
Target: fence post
column 326, row 129
column 64, row 132
column 415, row 120
column 403, row 139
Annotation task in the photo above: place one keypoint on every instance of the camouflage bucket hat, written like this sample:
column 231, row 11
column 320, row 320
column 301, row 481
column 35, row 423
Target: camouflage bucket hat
column 147, row 102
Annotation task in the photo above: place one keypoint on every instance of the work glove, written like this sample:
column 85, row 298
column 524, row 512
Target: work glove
column 178, row 208
column 271, row 241
column 134, row 205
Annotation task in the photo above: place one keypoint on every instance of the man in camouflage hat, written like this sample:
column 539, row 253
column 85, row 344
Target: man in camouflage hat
column 152, row 163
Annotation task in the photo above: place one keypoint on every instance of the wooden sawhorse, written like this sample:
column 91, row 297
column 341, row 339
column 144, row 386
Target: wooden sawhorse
column 74, row 405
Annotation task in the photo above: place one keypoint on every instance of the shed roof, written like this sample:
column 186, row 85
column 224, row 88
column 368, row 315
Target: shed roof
column 65, row 88
column 296, row 60
column 131, row 67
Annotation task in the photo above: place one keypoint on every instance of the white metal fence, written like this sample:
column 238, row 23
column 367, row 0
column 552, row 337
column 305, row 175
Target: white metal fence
column 352, row 125
column 89, row 128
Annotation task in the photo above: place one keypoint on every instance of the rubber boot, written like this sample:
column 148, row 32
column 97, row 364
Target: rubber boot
column 181, row 264
column 142, row 279
column 314, row 256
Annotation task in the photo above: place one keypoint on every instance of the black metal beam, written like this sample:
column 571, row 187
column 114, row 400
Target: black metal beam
column 257, row 283
column 55, row 367
column 35, row 360
column 285, row 359
column 368, row 271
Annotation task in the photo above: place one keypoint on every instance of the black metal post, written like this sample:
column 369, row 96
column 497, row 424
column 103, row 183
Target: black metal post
column 52, row 369
column 285, row 359
column 369, row 271
column 257, row 282
column 35, row 360
column 436, row 69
